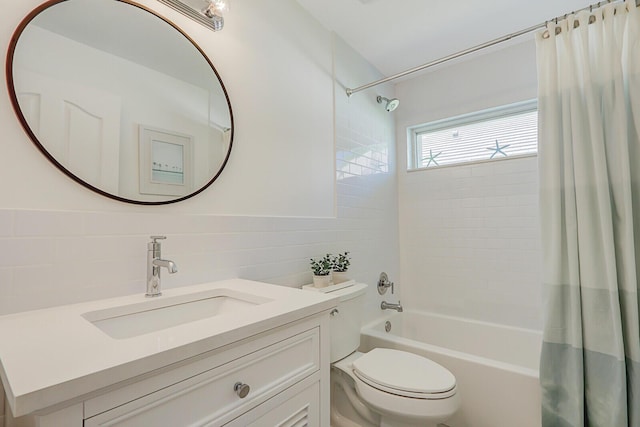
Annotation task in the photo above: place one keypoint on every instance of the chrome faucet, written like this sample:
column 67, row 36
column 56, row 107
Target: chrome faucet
column 388, row 306
column 154, row 263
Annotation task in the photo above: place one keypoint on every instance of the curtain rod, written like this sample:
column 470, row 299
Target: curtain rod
column 476, row 48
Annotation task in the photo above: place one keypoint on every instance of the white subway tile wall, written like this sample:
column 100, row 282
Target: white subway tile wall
column 49, row 258
column 470, row 242
column 363, row 149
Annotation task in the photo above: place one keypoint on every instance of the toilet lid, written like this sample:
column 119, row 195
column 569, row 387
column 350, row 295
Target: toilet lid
column 403, row 372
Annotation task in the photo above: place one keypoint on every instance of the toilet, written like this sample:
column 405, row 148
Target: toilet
column 384, row 387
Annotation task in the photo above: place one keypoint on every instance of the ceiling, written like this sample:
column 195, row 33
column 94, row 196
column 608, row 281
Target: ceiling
column 395, row 35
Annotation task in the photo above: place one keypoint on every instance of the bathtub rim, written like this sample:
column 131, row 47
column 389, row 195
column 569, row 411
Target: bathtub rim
column 370, row 330
column 390, row 315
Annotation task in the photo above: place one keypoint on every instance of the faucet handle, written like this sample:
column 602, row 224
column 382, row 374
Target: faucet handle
column 154, row 245
column 384, row 284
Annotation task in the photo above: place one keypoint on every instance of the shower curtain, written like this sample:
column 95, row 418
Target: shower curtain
column 589, row 162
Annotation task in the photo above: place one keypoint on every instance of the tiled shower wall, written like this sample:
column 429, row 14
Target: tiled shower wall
column 471, row 244
column 469, row 235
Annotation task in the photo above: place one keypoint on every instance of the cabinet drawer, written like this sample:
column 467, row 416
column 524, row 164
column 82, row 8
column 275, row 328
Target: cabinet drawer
column 299, row 406
column 209, row 398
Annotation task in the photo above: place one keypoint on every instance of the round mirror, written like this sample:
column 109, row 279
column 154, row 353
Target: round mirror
column 120, row 99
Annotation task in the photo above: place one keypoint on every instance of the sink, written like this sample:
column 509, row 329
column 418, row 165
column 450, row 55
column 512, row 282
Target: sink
column 165, row 312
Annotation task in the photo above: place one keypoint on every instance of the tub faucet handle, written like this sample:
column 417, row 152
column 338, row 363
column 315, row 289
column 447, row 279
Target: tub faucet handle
column 384, row 284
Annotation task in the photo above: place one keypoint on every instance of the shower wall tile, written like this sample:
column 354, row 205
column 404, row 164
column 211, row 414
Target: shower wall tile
column 470, row 241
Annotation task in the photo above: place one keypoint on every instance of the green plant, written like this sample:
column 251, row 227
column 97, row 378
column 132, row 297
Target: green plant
column 341, row 262
column 321, row 266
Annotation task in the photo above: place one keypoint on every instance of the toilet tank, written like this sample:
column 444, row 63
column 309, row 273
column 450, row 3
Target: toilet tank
column 345, row 324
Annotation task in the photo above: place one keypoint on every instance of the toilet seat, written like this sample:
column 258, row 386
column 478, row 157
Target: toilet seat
column 404, row 374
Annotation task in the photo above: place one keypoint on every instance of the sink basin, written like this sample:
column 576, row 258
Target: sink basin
column 165, row 312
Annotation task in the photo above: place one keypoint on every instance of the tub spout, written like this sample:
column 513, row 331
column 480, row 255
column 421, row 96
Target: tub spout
column 388, row 306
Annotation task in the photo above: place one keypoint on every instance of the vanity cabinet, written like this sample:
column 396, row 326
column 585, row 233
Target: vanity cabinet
column 286, row 370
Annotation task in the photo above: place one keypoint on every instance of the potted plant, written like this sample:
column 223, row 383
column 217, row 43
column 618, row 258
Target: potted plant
column 340, row 265
column 321, row 268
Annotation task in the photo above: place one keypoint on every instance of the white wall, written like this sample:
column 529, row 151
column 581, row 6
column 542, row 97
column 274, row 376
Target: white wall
column 469, row 235
column 60, row 243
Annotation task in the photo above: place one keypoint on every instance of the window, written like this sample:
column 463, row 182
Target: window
column 499, row 133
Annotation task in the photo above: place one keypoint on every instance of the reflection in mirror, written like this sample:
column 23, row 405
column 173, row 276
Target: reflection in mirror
column 120, row 100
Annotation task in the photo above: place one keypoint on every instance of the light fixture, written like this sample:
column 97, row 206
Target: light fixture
column 206, row 12
column 214, row 11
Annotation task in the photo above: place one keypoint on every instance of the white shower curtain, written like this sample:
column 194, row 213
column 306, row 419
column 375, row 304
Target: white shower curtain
column 589, row 161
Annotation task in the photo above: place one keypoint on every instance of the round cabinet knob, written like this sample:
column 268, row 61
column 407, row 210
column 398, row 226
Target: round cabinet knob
column 334, row 312
column 241, row 389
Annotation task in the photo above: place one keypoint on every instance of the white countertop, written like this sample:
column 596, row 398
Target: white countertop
column 55, row 355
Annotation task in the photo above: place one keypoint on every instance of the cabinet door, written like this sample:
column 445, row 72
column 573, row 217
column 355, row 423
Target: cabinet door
column 209, row 399
column 291, row 408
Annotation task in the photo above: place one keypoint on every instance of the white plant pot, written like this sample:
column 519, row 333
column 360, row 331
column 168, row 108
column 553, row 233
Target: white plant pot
column 339, row 277
column 321, row 281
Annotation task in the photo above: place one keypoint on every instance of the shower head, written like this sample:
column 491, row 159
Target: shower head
column 391, row 105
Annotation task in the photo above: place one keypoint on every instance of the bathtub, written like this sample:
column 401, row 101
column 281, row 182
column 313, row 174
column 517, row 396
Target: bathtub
column 496, row 367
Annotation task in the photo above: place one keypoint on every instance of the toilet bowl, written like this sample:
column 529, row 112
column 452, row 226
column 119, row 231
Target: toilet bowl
column 384, row 387
column 404, row 389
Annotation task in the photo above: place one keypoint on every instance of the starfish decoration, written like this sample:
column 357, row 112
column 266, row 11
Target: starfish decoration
column 432, row 158
column 498, row 149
